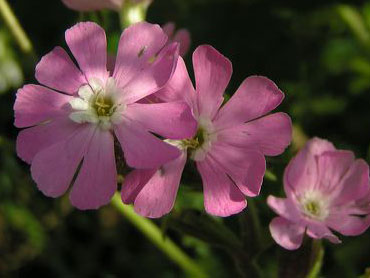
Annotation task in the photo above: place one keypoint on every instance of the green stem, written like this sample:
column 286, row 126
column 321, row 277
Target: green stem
column 317, row 256
column 154, row 234
column 133, row 12
column 256, row 222
column 270, row 176
column 13, row 24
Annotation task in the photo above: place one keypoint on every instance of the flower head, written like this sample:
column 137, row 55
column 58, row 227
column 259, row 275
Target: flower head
column 327, row 189
column 75, row 117
column 230, row 142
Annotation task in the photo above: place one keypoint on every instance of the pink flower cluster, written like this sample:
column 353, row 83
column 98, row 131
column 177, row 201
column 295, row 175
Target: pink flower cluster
column 73, row 121
column 83, row 117
column 327, row 189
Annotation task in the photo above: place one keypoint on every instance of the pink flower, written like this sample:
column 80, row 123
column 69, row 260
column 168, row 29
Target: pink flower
column 96, row 5
column 182, row 36
column 73, row 118
column 327, row 189
column 93, row 5
column 229, row 145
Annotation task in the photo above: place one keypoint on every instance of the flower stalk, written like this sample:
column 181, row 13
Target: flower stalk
column 154, row 234
column 256, row 222
column 317, row 256
column 132, row 12
column 15, row 27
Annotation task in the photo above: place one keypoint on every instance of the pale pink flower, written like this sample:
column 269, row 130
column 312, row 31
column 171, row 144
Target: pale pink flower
column 229, row 145
column 327, row 189
column 73, row 118
column 182, row 36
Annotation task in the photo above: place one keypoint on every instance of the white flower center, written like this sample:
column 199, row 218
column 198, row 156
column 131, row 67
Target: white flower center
column 200, row 144
column 202, row 141
column 97, row 104
column 314, row 205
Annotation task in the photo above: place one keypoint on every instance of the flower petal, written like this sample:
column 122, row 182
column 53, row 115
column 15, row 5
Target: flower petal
column 141, row 149
column 170, row 120
column 332, row 166
column 354, row 185
column 221, row 196
column 287, row 234
column 158, row 195
column 317, row 146
column 88, row 5
column 152, row 78
column 212, row 75
column 179, row 88
column 270, row 134
column 169, row 29
column 319, row 230
column 348, row 225
column 134, row 183
column 32, row 140
column 53, row 168
column 245, row 167
column 182, row 36
column 138, row 44
column 88, row 44
column 255, row 97
column 97, row 180
column 56, row 70
column 36, row 104
column 360, row 206
column 301, row 171
column 285, row 208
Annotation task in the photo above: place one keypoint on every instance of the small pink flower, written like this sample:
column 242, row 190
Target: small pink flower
column 229, row 145
column 73, row 118
column 93, row 5
column 96, row 5
column 182, row 36
column 327, row 189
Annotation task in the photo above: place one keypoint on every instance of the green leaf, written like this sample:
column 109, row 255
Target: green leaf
column 355, row 22
column 23, row 220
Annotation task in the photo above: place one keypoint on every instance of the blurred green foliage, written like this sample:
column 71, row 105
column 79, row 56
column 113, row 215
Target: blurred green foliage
column 318, row 52
column 11, row 75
